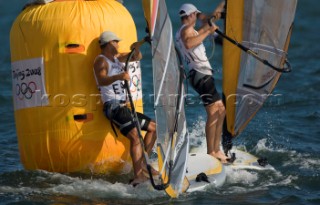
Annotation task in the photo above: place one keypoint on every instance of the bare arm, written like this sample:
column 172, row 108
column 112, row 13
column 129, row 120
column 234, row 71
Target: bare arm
column 216, row 13
column 220, row 8
column 137, row 54
column 191, row 40
column 101, row 71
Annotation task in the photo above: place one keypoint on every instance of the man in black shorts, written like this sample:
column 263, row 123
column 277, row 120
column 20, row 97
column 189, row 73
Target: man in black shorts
column 190, row 43
column 110, row 76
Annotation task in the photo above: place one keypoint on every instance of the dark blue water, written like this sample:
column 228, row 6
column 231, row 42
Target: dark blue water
column 286, row 131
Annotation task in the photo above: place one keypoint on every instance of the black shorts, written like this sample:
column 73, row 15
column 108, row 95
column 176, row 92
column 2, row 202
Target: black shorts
column 204, row 85
column 121, row 117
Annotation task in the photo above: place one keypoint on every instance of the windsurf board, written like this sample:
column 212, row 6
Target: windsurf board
column 204, row 170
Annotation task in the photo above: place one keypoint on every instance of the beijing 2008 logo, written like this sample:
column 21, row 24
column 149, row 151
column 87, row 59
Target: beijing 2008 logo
column 26, row 91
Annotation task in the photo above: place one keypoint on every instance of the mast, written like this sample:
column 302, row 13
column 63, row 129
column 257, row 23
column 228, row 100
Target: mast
column 168, row 76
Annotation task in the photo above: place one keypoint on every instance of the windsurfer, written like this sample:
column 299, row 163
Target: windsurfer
column 110, row 76
column 190, row 44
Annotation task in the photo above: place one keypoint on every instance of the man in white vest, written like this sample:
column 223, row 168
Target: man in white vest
column 190, row 43
column 110, row 77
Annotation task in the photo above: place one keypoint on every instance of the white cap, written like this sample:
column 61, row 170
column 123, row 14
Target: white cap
column 108, row 36
column 187, row 9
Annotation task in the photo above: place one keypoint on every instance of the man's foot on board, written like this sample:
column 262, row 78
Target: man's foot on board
column 224, row 161
column 143, row 176
column 153, row 171
column 221, row 157
column 137, row 181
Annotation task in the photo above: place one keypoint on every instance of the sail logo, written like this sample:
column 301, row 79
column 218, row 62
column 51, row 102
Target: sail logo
column 28, row 83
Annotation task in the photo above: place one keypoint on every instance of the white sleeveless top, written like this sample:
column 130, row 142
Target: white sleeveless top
column 196, row 58
column 116, row 90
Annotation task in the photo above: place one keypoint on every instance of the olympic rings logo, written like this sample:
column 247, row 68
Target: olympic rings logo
column 25, row 90
column 135, row 81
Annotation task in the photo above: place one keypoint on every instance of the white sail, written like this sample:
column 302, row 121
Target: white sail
column 173, row 142
column 263, row 26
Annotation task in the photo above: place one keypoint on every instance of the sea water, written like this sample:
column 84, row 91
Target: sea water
column 286, row 132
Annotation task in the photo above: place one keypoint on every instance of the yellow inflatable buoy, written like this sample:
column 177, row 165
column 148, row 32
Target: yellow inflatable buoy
column 58, row 113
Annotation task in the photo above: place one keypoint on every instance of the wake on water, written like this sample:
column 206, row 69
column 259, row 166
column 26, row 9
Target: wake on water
column 44, row 186
column 40, row 185
column 245, row 181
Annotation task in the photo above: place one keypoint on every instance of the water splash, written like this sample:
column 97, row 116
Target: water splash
column 244, row 177
column 42, row 184
column 197, row 135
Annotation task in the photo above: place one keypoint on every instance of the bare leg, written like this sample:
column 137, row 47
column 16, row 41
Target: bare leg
column 216, row 113
column 136, row 152
column 136, row 155
column 150, row 137
column 221, row 115
column 211, row 126
column 149, row 140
